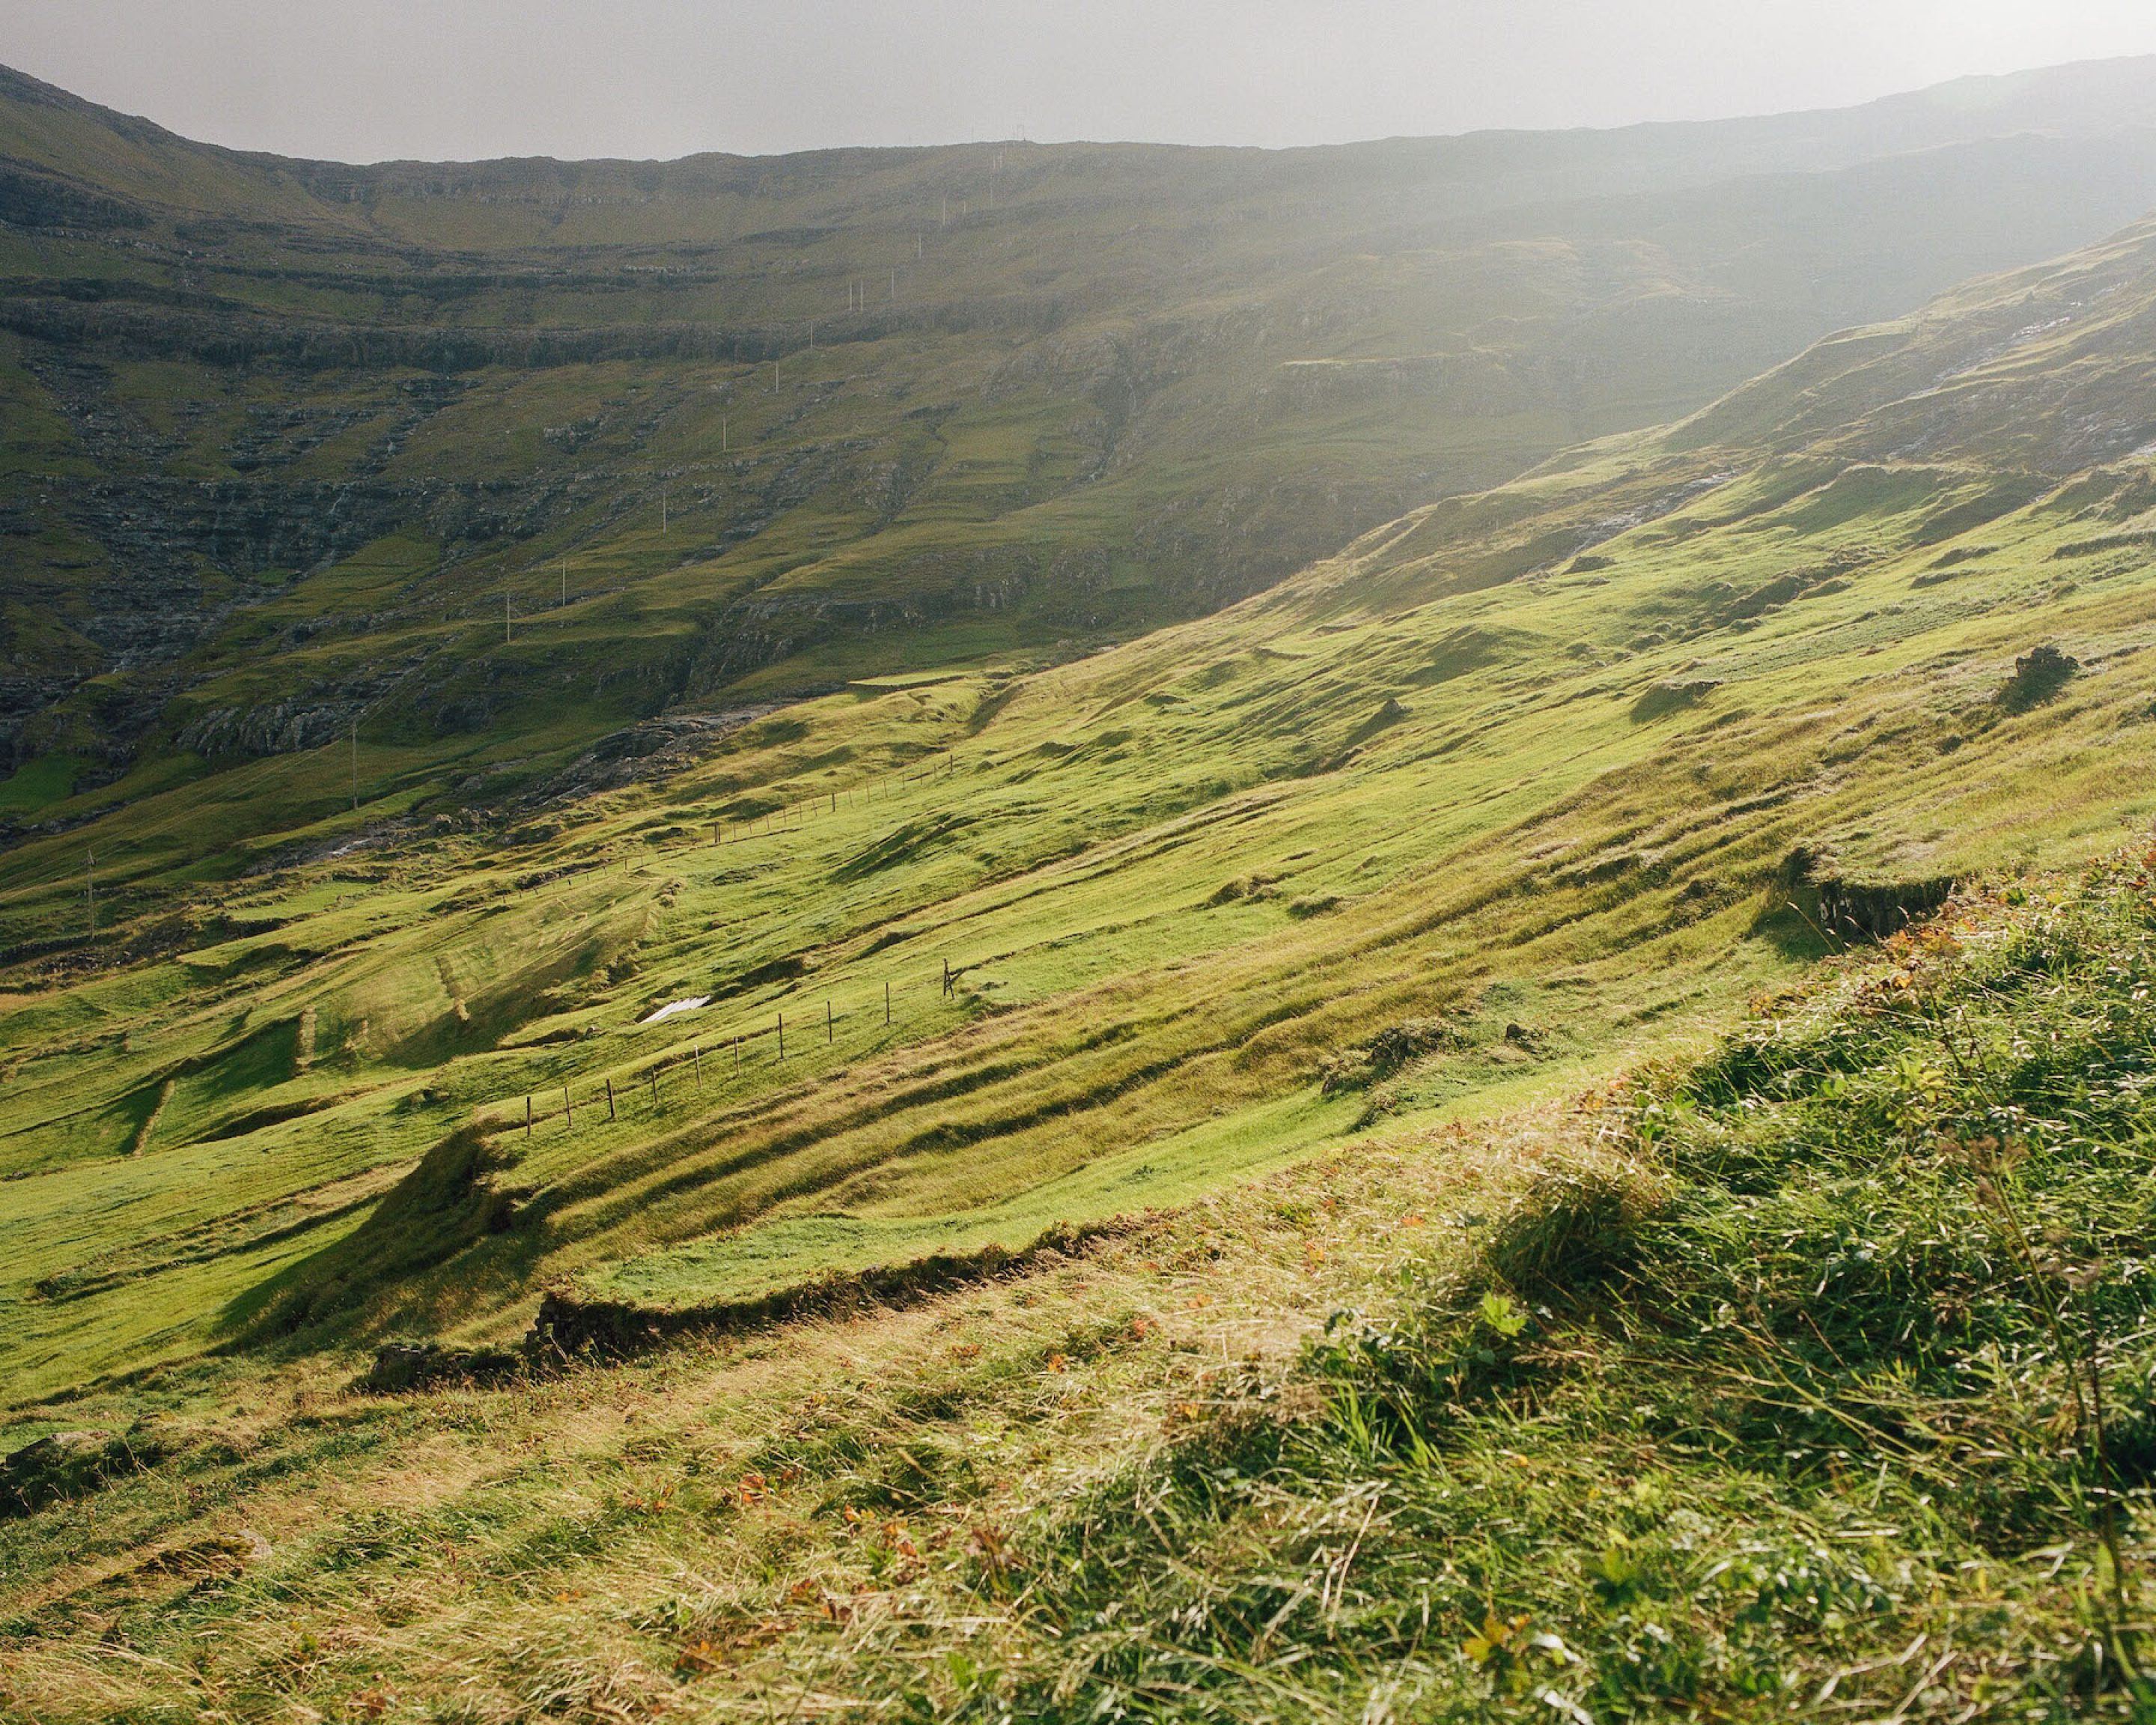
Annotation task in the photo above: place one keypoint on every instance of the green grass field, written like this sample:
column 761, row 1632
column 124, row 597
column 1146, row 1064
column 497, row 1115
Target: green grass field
column 1174, row 998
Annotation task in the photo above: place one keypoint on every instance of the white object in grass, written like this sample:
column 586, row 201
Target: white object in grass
column 672, row 1007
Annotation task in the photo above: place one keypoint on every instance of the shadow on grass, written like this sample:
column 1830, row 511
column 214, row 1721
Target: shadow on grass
column 345, row 1291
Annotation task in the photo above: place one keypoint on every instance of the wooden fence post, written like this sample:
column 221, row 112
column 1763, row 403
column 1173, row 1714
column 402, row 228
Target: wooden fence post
column 609, row 1084
column 782, row 1035
column 528, row 1116
column 696, row 1055
column 886, row 1002
column 830, row 1031
column 568, row 1112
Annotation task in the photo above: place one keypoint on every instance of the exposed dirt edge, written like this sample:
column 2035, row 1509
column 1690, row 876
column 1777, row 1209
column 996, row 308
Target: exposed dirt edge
column 571, row 1326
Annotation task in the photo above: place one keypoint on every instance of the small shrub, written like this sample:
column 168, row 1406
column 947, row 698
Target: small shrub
column 1666, row 698
column 1575, row 1226
column 2039, row 674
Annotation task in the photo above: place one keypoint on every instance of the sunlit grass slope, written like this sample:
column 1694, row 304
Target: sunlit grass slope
column 1811, row 1369
column 1508, row 790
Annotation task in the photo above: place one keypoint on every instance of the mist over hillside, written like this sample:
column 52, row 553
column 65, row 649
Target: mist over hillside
column 293, row 445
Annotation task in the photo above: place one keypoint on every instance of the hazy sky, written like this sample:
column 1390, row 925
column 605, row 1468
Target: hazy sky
column 362, row 79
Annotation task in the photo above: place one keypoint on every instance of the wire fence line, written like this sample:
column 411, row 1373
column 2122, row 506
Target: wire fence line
column 729, row 1051
column 727, row 1054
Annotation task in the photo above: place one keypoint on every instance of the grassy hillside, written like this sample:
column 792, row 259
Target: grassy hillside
column 1807, row 1375
column 486, row 461
column 1516, row 786
column 973, row 1192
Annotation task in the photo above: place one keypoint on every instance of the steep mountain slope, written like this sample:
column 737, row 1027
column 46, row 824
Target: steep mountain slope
column 1513, row 785
column 1810, row 1366
column 1756, row 1382
column 486, row 461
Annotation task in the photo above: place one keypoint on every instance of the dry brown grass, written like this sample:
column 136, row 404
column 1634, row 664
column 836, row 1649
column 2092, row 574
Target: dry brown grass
column 726, row 1581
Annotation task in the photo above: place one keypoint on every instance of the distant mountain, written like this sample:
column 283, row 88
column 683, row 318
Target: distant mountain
column 493, row 458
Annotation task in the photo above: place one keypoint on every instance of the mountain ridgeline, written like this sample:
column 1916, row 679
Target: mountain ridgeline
column 480, row 462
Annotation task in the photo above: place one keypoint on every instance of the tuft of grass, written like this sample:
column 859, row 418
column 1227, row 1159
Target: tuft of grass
column 2039, row 676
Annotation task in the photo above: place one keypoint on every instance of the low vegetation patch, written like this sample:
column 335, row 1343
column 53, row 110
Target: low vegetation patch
column 2039, row 674
column 1666, row 698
